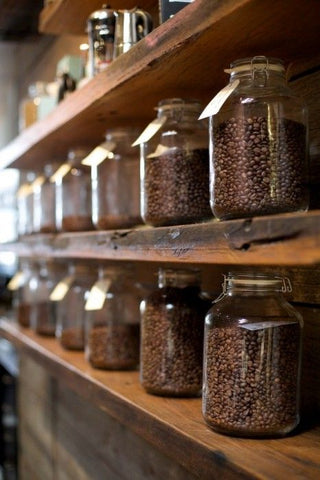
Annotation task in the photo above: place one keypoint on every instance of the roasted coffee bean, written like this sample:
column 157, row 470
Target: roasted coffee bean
column 251, row 379
column 259, row 167
column 114, row 347
column 176, row 188
column 172, row 342
column 72, row 338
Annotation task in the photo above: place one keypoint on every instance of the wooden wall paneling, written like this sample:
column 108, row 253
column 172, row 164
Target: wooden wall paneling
column 104, row 448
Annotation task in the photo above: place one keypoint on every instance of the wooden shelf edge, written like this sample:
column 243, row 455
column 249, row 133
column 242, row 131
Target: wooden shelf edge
column 290, row 239
column 175, row 426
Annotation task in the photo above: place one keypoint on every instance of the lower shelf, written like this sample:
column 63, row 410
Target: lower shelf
column 174, row 426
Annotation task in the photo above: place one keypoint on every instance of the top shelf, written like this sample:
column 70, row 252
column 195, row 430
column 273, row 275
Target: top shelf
column 70, row 16
column 185, row 56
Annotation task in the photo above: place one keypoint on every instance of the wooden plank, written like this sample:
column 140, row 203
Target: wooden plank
column 170, row 61
column 286, row 239
column 70, row 16
column 174, row 426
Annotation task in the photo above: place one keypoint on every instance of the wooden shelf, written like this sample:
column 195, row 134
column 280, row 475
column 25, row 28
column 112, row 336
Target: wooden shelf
column 175, row 426
column 286, row 239
column 70, row 16
column 185, row 56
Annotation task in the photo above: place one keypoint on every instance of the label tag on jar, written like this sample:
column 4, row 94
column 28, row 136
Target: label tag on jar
column 61, row 172
column 99, row 154
column 38, row 182
column 216, row 103
column 264, row 325
column 61, row 289
column 16, row 281
column 150, row 131
column 24, row 190
column 160, row 150
column 97, row 295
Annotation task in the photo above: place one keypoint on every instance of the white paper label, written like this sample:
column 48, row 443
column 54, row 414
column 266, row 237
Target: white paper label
column 264, row 325
column 61, row 172
column 160, row 150
column 24, row 190
column 16, row 281
column 97, row 295
column 38, row 182
column 99, row 154
column 61, row 289
column 150, row 131
column 216, row 103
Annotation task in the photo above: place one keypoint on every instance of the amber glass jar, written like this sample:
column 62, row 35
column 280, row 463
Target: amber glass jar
column 70, row 309
column 116, row 182
column 172, row 325
column 113, row 331
column 252, row 358
column 175, row 167
column 73, row 195
column 258, row 144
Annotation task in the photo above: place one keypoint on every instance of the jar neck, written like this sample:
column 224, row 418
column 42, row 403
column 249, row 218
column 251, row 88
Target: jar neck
column 251, row 284
column 177, row 109
column 258, row 71
column 178, row 278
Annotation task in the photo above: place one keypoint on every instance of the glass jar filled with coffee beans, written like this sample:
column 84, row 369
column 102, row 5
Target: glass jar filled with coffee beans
column 22, row 290
column 252, row 358
column 172, row 326
column 259, row 143
column 116, row 182
column 73, row 194
column 113, row 320
column 44, row 202
column 70, row 326
column 175, row 166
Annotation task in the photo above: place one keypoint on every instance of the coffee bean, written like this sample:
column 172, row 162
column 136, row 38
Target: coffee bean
column 114, row 347
column 251, row 379
column 76, row 223
column 176, row 188
column 43, row 318
column 259, row 167
column 172, row 342
column 23, row 314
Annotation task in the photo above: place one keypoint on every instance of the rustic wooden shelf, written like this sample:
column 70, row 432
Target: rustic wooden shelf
column 70, row 16
column 185, row 56
column 175, row 426
column 286, row 239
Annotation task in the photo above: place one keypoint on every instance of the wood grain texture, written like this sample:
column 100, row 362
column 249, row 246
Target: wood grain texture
column 174, row 426
column 184, row 56
column 286, row 239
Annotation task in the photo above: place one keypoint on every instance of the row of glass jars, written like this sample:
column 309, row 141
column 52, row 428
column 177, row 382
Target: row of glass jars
column 257, row 160
column 243, row 354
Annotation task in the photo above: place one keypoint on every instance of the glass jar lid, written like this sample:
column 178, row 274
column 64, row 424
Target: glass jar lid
column 178, row 277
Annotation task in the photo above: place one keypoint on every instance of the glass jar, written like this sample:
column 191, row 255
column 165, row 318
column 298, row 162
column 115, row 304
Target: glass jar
column 113, row 331
column 73, row 195
column 70, row 309
column 36, row 106
column 42, row 310
column 252, row 358
column 116, row 183
column 44, row 203
column 25, row 204
column 172, row 325
column 175, row 167
column 258, row 144
column 22, row 291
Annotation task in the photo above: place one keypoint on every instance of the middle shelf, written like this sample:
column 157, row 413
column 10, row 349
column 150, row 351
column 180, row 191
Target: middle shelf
column 285, row 239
